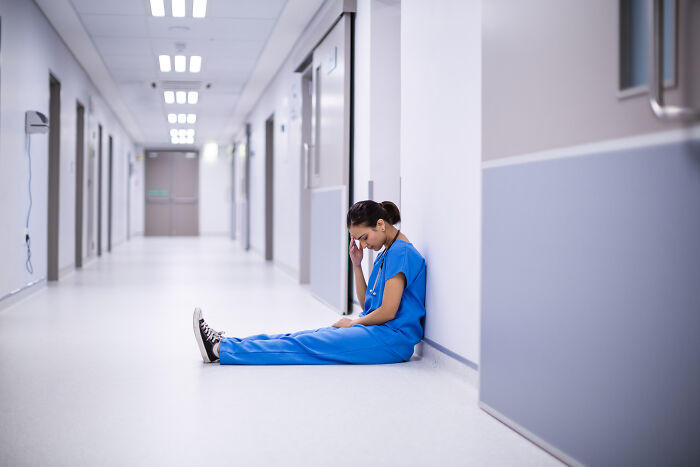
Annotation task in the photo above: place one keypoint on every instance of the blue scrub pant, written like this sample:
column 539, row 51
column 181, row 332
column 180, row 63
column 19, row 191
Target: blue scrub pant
column 357, row 344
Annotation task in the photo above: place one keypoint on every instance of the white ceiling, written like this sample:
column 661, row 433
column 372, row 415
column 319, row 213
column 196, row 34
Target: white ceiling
column 231, row 39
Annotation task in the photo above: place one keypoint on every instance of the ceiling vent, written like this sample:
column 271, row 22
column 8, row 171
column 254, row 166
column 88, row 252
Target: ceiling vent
column 171, row 85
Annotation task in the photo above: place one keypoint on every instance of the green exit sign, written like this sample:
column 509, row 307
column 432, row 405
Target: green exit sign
column 156, row 193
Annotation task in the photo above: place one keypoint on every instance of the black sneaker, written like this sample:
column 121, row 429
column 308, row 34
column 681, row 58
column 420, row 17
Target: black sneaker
column 206, row 337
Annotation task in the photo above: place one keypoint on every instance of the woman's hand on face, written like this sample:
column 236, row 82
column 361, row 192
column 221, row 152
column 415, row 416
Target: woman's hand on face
column 344, row 323
column 355, row 253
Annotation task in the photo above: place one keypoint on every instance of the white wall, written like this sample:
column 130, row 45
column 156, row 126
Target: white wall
column 138, row 194
column 385, row 98
column 440, row 162
column 377, row 103
column 31, row 50
column 215, row 193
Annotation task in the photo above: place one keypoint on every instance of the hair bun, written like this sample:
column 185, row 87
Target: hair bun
column 393, row 214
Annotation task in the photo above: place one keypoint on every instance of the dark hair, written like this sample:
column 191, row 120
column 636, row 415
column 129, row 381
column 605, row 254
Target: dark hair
column 369, row 212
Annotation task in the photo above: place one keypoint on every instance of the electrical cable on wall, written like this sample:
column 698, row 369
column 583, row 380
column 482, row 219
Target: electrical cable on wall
column 34, row 122
column 28, row 240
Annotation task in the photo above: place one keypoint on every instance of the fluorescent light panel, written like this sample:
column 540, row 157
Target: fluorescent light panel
column 199, row 9
column 195, row 63
column 191, row 118
column 164, row 61
column 192, row 97
column 179, row 8
column 157, row 8
column 172, row 118
column 170, row 97
column 180, row 63
column 181, row 118
column 180, row 97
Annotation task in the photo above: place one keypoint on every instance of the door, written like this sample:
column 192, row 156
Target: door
column 54, row 177
column 99, row 190
column 269, row 187
column 91, row 159
column 329, row 165
column 79, row 182
column 172, row 193
column 305, row 193
column 590, row 260
column 110, row 167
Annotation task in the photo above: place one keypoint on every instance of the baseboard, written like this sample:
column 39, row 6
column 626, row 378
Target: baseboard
column 524, row 432
column 66, row 271
column 287, row 270
column 437, row 357
column 15, row 296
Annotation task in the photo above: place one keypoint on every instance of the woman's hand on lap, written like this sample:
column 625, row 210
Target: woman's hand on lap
column 344, row 323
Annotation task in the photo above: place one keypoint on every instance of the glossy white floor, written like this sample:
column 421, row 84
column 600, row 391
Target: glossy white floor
column 102, row 370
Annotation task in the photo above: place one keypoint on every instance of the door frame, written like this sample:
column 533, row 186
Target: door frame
column 99, row 189
column 79, row 182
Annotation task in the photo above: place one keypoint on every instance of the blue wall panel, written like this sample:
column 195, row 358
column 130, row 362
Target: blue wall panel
column 591, row 303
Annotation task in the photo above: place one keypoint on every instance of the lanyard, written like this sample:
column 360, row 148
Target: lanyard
column 381, row 265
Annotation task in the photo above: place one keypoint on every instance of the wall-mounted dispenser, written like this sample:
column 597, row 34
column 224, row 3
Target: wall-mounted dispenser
column 35, row 122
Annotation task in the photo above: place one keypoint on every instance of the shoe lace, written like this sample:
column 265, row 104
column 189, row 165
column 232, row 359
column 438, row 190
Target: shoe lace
column 209, row 333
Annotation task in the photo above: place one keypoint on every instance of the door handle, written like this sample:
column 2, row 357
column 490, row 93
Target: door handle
column 307, row 149
column 656, row 50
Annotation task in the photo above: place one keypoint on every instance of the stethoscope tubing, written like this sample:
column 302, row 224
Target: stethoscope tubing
column 372, row 291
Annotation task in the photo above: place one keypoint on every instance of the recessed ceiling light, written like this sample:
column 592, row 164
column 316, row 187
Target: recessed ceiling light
column 174, row 140
column 173, row 132
column 199, row 9
column 182, row 132
column 172, row 118
column 157, row 8
column 180, row 63
column 164, row 63
column 190, row 132
column 169, row 97
column 178, row 8
column 181, row 118
column 192, row 97
column 180, row 97
column 195, row 63
column 191, row 118
column 190, row 140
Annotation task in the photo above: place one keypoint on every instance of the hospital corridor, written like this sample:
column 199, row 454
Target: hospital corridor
column 127, row 387
column 349, row 233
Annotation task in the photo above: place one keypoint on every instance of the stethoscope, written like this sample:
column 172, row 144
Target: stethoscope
column 381, row 265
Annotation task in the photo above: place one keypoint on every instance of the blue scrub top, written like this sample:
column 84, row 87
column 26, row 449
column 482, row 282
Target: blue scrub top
column 401, row 257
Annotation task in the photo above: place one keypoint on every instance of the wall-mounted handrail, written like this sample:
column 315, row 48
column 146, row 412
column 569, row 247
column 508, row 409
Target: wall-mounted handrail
column 656, row 48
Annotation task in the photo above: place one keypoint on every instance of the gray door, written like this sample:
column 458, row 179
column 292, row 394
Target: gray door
column 172, row 193
column 591, row 221
column 329, row 165
column 91, row 186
